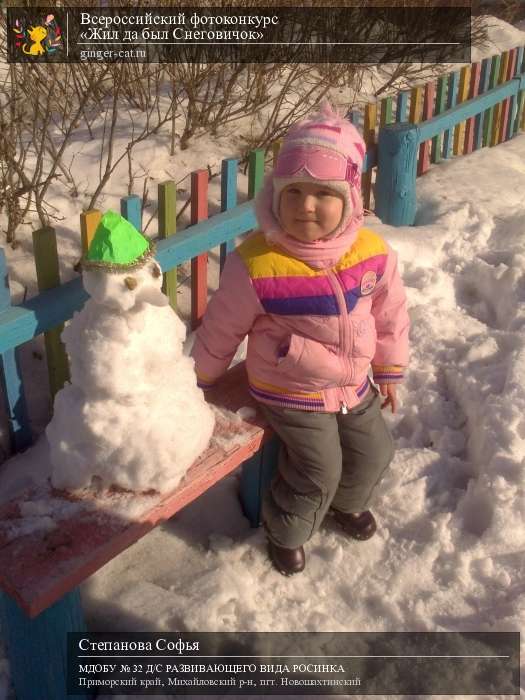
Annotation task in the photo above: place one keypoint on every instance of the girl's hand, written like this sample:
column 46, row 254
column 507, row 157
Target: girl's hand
column 389, row 390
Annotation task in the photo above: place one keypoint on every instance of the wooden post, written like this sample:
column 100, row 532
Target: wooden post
column 255, row 172
column 46, row 262
column 256, row 475
column 11, row 378
column 199, row 265
column 369, row 135
column 478, row 119
column 89, row 221
column 37, row 647
column 459, row 130
column 167, row 197
column 451, row 101
column 435, row 152
column 473, row 91
column 228, row 199
column 396, row 177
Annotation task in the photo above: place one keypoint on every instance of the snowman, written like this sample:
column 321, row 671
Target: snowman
column 132, row 416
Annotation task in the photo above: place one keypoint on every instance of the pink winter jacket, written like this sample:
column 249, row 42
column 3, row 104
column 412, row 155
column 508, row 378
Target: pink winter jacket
column 315, row 321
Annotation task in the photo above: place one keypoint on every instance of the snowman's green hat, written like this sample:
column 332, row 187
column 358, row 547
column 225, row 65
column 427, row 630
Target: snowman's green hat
column 117, row 246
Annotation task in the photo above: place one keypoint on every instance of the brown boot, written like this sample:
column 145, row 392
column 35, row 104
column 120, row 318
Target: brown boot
column 360, row 526
column 286, row 561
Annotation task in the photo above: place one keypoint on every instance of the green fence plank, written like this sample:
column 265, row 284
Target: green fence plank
column 167, row 196
column 47, row 273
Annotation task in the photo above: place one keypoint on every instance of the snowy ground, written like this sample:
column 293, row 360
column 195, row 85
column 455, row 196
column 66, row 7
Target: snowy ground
column 449, row 551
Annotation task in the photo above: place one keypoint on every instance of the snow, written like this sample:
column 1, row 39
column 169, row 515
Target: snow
column 448, row 554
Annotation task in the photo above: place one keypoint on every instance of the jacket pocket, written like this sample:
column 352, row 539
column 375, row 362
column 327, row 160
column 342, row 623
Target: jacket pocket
column 364, row 338
column 290, row 351
column 311, row 363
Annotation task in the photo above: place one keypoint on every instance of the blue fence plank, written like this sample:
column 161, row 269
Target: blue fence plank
column 256, row 475
column 353, row 116
column 228, row 199
column 131, row 209
column 11, row 377
column 402, row 106
column 370, row 159
column 206, row 235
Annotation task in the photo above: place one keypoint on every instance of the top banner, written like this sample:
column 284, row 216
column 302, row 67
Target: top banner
column 239, row 35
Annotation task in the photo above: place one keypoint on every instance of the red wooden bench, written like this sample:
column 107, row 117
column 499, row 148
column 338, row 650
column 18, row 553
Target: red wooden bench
column 40, row 571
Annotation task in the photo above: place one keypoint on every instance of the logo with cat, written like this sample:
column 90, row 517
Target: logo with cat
column 36, row 39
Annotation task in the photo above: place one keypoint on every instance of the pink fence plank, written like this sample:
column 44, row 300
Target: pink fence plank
column 423, row 163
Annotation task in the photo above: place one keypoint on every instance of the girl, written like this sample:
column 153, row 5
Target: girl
column 321, row 300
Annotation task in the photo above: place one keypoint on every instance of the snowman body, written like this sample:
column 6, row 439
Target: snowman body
column 132, row 416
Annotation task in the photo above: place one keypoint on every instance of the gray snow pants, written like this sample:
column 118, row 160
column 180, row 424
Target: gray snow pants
column 326, row 460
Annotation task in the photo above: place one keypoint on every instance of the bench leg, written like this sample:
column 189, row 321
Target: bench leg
column 255, row 479
column 37, row 647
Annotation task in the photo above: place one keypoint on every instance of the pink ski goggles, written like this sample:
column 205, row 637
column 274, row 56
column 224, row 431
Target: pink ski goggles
column 319, row 163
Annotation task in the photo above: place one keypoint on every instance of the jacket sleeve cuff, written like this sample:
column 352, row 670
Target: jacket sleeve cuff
column 387, row 374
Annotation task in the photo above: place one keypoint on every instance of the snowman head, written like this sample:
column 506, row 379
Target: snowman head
column 119, row 270
column 125, row 290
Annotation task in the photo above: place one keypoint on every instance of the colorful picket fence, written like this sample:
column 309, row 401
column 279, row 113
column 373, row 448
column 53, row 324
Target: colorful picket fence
column 481, row 105
column 498, row 123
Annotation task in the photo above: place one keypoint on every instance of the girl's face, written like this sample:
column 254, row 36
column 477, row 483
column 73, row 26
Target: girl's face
column 308, row 211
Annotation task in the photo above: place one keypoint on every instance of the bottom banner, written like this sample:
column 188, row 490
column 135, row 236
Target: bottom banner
column 270, row 663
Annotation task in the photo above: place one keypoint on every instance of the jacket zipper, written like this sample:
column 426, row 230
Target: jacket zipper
column 346, row 330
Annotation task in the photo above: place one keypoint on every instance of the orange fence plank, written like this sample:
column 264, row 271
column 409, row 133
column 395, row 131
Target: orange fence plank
column 88, row 225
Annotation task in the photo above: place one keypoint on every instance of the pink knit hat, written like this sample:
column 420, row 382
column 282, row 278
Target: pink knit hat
column 326, row 149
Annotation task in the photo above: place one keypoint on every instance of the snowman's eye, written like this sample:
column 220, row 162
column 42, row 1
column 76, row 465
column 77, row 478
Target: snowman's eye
column 130, row 282
column 156, row 271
